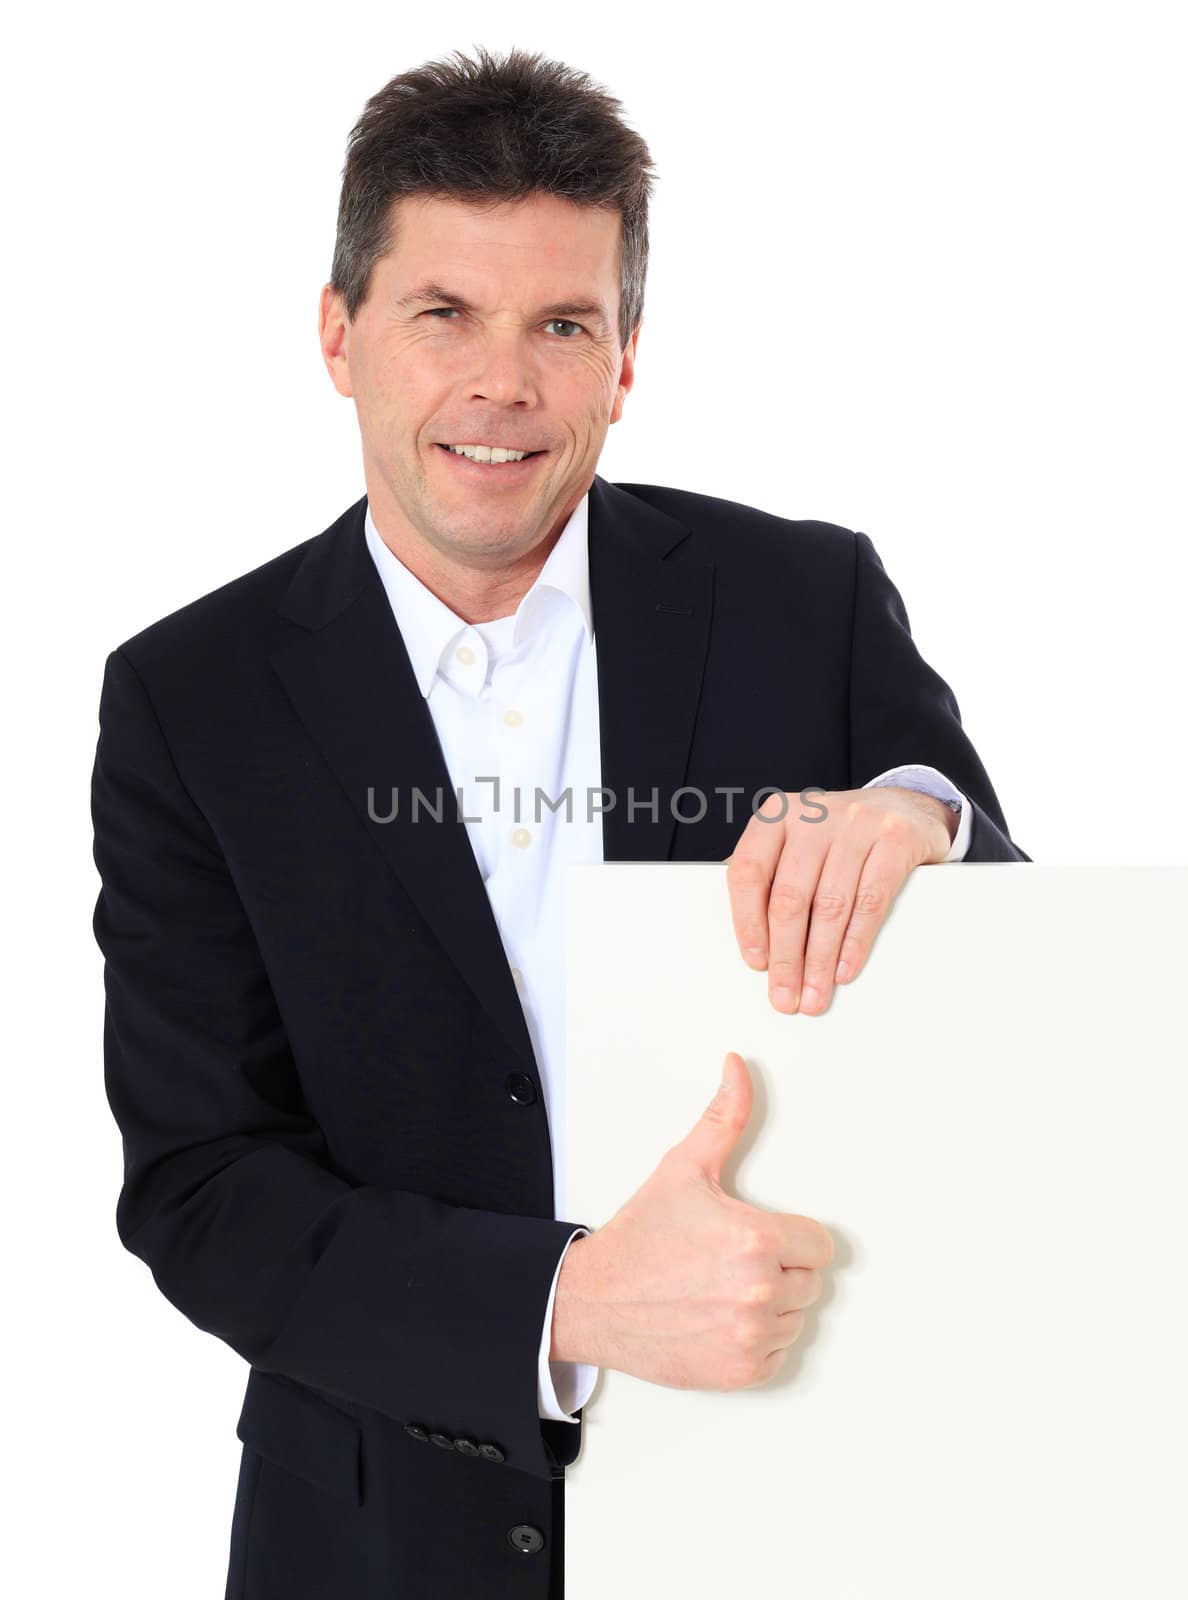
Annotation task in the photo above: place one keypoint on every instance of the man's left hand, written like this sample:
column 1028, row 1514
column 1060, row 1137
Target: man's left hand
column 808, row 893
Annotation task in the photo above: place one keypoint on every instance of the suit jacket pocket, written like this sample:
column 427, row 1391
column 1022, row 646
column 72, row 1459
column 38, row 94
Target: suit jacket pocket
column 298, row 1430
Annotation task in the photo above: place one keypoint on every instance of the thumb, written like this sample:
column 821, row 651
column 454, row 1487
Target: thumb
column 720, row 1127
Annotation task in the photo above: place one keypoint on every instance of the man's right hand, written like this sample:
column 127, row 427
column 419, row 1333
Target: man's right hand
column 687, row 1286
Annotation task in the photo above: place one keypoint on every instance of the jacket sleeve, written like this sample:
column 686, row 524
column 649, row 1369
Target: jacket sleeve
column 902, row 711
column 380, row 1297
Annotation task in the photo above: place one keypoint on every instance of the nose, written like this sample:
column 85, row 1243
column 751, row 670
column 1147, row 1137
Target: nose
column 505, row 374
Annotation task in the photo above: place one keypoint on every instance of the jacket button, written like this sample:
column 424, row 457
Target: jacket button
column 466, row 1447
column 443, row 1440
column 416, row 1430
column 525, row 1538
column 491, row 1452
column 520, row 1087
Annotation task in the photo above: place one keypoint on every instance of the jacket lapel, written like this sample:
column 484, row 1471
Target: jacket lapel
column 651, row 596
column 351, row 682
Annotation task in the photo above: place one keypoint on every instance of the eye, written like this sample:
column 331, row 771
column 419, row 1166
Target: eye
column 450, row 311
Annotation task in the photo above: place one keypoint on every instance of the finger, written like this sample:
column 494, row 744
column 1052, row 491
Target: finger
column 791, row 1326
column 749, row 871
column 884, row 873
column 802, row 1286
column 830, row 915
column 804, row 1242
column 789, row 903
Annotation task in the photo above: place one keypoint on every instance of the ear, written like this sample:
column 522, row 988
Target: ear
column 626, row 373
column 334, row 335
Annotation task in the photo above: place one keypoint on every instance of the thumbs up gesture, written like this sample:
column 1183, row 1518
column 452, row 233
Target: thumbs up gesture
column 687, row 1286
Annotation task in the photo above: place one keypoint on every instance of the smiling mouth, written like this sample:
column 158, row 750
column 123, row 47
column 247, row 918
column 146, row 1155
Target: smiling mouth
column 527, row 456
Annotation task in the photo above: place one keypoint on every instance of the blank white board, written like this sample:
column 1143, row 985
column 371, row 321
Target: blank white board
column 990, row 1398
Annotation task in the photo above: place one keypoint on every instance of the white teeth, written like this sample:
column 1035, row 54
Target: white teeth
column 483, row 452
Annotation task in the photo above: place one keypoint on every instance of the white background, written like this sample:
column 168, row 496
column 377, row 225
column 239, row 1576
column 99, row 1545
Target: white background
column 989, row 1399
column 916, row 269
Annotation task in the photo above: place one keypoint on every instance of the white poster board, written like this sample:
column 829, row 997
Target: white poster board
column 990, row 1399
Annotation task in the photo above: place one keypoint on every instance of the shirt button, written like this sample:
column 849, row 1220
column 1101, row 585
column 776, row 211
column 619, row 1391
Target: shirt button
column 465, row 654
column 521, row 838
column 513, row 718
column 517, row 974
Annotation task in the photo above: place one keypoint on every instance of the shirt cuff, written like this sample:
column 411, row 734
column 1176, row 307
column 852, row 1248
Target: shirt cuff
column 927, row 780
column 562, row 1387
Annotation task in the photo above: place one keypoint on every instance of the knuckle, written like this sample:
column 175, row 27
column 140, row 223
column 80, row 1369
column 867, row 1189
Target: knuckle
column 753, row 1241
column 746, row 871
column 829, row 905
column 819, row 973
column 786, row 902
column 760, row 1294
column 748, row 1330
column 871, row 898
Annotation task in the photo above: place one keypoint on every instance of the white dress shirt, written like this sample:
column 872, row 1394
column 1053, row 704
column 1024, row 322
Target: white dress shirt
column 515, row 705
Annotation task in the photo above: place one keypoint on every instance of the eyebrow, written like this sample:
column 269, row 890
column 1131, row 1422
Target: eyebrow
column 590, row 310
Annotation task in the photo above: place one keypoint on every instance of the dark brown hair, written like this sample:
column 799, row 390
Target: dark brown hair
column 490, row 130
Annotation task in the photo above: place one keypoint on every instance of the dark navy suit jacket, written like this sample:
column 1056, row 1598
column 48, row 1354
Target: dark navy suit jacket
column 336, row 1157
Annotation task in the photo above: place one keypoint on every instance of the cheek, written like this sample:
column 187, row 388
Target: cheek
column 403, row 384
column 590, row 395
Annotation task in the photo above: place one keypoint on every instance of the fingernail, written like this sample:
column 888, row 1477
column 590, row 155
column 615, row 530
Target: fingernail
column 810, row 1000
column 784, row 998
column 754, row 952
column 842, row 973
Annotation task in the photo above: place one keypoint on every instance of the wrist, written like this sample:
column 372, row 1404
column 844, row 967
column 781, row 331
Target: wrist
column 575, row 1307
column 948, row 814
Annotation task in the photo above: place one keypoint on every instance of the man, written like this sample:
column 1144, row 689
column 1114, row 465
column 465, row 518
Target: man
column 333, row 1034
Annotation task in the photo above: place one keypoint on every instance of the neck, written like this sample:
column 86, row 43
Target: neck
column 479, row 586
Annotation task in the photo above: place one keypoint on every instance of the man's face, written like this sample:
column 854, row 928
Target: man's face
column 522, row 368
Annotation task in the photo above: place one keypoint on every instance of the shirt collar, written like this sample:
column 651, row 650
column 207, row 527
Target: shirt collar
column 428, row 625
